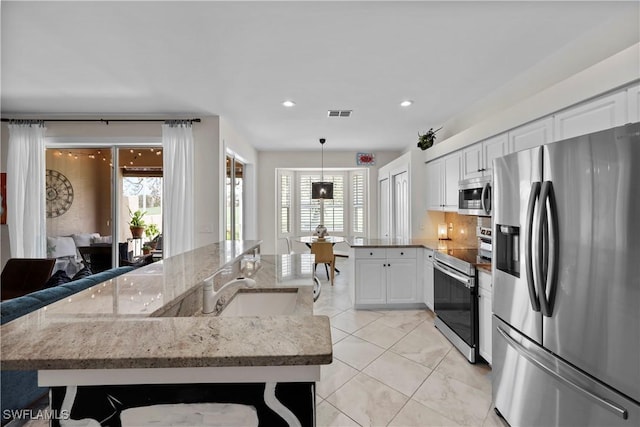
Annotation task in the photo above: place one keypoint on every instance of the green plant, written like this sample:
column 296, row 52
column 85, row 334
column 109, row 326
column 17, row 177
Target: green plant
column 151, row 231
column 136, row 218
column 426, row 140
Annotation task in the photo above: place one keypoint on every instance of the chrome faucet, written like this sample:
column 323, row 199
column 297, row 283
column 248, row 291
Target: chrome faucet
column 210, row 298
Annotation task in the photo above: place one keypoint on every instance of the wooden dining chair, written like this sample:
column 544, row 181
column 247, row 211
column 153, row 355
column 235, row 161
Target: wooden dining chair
column 323, row 252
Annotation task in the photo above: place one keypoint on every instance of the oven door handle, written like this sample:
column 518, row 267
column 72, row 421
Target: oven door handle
column 468, row 281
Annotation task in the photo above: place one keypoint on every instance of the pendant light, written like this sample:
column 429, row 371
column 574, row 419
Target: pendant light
column 322, row 189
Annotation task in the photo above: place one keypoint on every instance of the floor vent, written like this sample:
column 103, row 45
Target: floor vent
column 339, row 113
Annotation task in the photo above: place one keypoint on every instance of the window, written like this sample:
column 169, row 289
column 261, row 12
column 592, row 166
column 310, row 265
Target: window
column 298, row 213
column 358, row 205
column 285, row 203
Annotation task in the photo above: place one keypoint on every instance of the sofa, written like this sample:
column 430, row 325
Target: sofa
column 19, row 389
column 65, row 249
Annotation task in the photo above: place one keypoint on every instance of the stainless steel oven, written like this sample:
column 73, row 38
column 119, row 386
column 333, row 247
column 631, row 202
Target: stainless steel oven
column 474, row 196
column 456, row 299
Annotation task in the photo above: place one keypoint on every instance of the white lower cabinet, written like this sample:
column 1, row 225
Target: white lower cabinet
column 386, row 277
column 428, row 280
column 485, row 312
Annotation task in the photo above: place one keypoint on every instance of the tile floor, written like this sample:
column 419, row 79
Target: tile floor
column 394, row 368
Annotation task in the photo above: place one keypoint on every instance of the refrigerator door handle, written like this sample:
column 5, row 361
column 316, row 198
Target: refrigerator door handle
column 486, row 191
column 548, row 243
column 528, row 255
column 540, row 359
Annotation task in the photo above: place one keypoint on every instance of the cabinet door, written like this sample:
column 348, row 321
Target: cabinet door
column 531, row 135
column 428, row 280
column 484, row 315
column 401, row 281
column 434, row 185
column 451, row 182
column 633, row 102
column 370, row 281
column 400, row 216
column 494, row 148
column 384, row 208
column 592, row 116
column 472, row 164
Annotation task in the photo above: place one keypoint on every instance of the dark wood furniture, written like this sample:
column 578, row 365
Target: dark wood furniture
column 21, row 276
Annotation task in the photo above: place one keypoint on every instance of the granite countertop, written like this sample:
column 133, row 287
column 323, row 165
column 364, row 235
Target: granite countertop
column 140, row 320
column 434, row 244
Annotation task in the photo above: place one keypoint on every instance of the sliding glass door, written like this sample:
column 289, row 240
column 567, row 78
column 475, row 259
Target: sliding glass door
column 92, row 191
column 234, row 200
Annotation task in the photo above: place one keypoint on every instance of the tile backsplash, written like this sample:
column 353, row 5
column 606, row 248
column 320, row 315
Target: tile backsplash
column 462, row 228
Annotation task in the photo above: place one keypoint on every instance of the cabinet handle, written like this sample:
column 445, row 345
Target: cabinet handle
column 401, row 253
column 388, row 265
column 371, row 253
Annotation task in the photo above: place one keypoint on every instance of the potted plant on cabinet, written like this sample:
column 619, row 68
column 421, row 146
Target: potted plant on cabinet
column 146, row 249
column 136, row 224
column 425, row 141
column 151, row 231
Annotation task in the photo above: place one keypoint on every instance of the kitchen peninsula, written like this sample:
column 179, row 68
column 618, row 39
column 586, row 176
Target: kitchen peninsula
column 125, row 346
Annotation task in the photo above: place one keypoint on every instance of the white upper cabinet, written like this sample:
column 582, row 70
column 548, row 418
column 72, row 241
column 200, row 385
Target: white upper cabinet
column 633, row 103
column 494, row 148
column 443, row 176
column 472, row 164
column 591, row 116
column 531, row 135
column 477, row 160
column 451, row 180
column 434, row 175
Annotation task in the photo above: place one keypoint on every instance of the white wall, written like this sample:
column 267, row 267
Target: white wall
column 238, row 144
column 268, row 161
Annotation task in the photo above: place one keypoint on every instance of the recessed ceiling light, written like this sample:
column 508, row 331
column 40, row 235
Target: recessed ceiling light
column 288, row 103
column 406, row 103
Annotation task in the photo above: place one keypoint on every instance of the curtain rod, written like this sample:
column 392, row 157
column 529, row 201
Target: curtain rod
column 105, row 121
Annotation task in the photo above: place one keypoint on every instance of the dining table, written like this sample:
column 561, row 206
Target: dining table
column 308, row 240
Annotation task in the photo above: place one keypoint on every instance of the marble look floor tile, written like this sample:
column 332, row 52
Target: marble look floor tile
column 425, row 345
column 333, row 376
column 327, row 310
column 398, row 372
column 352, row 320
column 454, row 399
column 368, row 401
column 356, row 352
column 478, row 375
column 328, row 415
column 404, row 320
column 379, row 334
column 337, row 335
column 415, row 414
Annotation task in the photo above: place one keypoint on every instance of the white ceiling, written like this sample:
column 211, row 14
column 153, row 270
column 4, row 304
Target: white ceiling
column 240, row 60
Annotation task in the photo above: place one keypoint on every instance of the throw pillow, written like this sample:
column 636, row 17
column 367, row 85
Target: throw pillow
column 82, row 274
column 60, row 247
column 59, row 278
column 84, row 239
column 101, row 239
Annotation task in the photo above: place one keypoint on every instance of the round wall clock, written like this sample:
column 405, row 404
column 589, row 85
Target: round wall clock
column 59, row 193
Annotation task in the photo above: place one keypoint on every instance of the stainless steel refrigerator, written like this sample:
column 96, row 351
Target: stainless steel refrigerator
column 566, row 282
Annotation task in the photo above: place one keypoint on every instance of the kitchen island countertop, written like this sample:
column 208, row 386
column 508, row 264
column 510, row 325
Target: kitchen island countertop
column 115, row 324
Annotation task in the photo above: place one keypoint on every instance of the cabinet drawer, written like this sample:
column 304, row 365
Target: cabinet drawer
column 371, row 253
column 401, row 253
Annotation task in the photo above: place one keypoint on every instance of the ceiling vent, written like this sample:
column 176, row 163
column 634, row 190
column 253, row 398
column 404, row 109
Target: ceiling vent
column 339, row 113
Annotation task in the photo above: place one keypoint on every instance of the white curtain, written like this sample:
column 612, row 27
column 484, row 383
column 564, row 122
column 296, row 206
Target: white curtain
column 178, row 198
column 26, row 217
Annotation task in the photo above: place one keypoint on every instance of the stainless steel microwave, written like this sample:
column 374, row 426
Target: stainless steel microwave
column 474, row 196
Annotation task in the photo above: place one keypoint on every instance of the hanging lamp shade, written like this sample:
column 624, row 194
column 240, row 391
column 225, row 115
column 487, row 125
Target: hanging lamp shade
column 322, row 189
